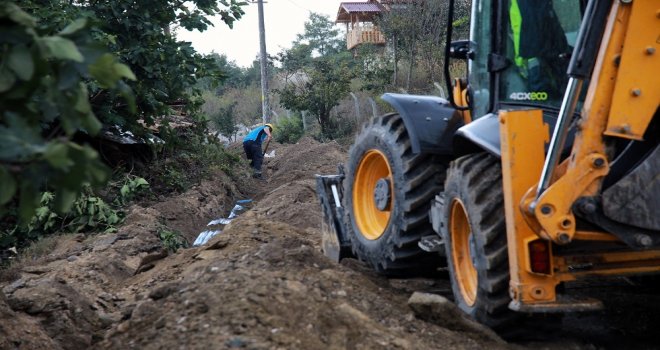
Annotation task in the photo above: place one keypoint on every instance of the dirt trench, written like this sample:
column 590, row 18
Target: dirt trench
column 260, row 284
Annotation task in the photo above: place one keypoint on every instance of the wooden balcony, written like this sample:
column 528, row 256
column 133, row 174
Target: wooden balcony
column 359, row 36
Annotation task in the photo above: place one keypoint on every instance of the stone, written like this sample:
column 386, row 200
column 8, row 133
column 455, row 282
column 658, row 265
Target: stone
column 439, row 310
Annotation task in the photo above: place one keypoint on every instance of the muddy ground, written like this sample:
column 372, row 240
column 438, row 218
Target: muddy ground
column 263, row 284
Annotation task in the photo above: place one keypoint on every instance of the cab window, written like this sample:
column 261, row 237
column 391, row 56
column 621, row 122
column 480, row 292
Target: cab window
column 540, row 39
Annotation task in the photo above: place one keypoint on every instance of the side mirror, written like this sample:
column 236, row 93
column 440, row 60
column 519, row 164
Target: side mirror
column 461, row 49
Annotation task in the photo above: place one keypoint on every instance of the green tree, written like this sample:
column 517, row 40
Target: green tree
column 45, row 81
column 139, row 32
column 318, row 89
column 224, row 120
column 233, row 75
column 321, row 35
column 317, row 71
column 58, row 79
column 374, row 69
column 247, row 108
column 295, row 59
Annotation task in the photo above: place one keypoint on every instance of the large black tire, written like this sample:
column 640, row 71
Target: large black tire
column 474, row 232
column 415, row 179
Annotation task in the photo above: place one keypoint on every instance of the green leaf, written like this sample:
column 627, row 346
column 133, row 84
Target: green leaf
column 88, row 119
column 28, row 202
column 113, row 219
column 103, row 71
column 124, row 190
column 74, row 27
column 91, row 124
column 61, row 48
column 140, row 182
column 7, row 80
column 46, row 197
column 56, row 155
column 50, row 222
column 42, row 212
column 19, row 141
column 64, row 200
column 7, row 185
column 123, row 71
column 19, row 16
column 20, row 61
column 82, row 101
column 98, row 172
column 126, row 92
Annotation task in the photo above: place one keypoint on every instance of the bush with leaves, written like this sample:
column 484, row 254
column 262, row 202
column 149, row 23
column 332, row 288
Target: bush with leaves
column 339, row 128
column 44, row 101
column 188, row 157
column 224, row 120
column 172, row 239
column 89, row 213
column 289, row 130
column 327, row 81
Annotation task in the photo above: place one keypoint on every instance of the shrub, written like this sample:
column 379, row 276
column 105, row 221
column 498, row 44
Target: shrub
column 189, row 156
column 338, row 128
column 172, row 239
column 289, row 130
column 89, row 213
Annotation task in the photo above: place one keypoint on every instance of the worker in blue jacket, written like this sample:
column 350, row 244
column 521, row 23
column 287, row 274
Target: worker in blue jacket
column 252, row 146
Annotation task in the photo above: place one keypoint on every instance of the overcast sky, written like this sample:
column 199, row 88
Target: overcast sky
column 283, row 20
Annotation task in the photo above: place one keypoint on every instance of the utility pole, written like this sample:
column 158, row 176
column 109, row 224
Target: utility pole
column 265, row 111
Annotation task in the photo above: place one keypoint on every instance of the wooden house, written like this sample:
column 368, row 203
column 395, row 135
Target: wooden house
column 360, row 19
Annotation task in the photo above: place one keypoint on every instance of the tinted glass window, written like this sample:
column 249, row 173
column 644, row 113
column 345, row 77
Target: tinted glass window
column 540, row 39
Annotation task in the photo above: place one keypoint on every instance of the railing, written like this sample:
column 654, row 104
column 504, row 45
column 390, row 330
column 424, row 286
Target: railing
column 361, row 36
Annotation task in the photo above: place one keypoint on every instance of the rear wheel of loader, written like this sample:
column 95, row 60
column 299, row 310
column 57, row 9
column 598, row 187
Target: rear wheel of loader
column 474, row 233
column 388, row 191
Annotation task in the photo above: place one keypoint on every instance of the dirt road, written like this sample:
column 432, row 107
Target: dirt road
column 262, row 283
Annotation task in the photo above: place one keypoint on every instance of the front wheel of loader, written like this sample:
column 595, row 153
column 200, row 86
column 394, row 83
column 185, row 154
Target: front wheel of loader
column 387, row 195
column 474, row 232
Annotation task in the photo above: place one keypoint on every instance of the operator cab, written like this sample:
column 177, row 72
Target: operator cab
column 517, row 57
column 520, row 57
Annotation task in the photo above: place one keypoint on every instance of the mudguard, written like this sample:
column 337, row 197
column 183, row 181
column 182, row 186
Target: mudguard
column 480, row 134
column 484, row 134
column 430, row 121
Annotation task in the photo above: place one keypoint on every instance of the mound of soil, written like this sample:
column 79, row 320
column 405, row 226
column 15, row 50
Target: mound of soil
column 262, row 283
column 289, row 190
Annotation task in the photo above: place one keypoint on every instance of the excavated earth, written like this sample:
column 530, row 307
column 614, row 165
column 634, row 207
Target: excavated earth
column 262, row 283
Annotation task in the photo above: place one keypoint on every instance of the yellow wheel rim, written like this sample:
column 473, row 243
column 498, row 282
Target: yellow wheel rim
column 462, row 248
column 369, row 219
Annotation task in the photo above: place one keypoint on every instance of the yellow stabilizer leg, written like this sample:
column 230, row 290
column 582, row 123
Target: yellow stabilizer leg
column 523, row 135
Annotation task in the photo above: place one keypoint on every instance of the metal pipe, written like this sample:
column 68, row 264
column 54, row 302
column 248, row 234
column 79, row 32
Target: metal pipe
column 559, row 135
column 580, row 69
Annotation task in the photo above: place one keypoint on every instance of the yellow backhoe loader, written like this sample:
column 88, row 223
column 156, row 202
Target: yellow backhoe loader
column 543, row 167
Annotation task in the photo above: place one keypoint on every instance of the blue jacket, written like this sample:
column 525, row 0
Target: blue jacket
column 257, row 134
